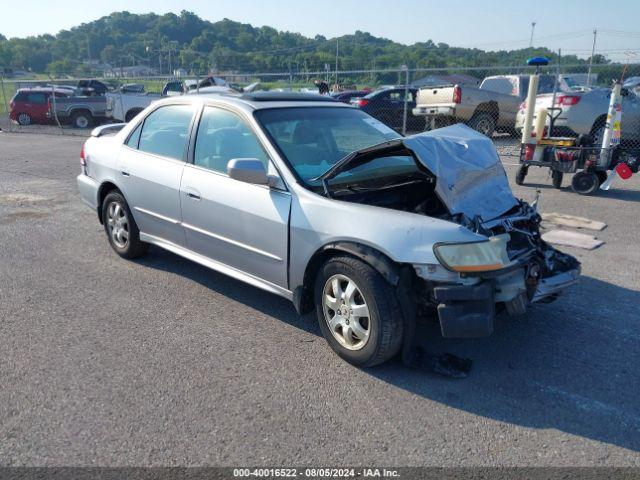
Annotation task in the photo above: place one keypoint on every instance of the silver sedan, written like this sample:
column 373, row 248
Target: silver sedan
column 316, row 201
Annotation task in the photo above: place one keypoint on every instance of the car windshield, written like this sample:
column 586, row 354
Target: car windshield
column 313, row 139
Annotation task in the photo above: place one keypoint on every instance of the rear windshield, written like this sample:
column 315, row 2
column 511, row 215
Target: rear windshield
column 312, row 139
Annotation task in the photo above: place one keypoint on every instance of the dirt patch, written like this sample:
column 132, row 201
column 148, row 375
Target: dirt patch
column 23, row 215
column 21, row 199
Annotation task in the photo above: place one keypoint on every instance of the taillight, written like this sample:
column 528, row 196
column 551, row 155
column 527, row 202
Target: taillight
column 567, row 100
column 457, row 94
column 83, row 160
column 362, row 102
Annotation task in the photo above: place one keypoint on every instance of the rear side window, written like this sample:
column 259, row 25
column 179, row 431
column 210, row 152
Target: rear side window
column 134, row 139
column 36, row 97
column 165, row 131
column 498, row 85
column 20, row 97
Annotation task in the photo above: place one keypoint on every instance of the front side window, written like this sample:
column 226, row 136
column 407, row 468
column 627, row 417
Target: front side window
column 312, row 139
column 223, row 136
column 165, row 131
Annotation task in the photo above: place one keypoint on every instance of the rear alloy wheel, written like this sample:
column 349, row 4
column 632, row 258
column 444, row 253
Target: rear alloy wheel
column 121, row 228
column 483, row 123
column 24, row 119
column 81, row 120
column 358, row 312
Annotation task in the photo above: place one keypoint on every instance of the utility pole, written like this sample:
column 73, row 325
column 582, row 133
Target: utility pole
column 593, row 51
column 337, row 64
column 533, row 27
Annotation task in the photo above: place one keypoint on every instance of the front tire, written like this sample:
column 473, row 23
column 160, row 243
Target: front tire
column 120, row 227
column 358, row 312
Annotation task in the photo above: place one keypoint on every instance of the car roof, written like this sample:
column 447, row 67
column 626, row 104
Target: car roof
column 44, row 90
column 261, row 100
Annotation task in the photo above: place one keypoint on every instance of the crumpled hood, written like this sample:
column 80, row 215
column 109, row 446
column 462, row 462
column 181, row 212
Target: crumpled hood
column 470, row 177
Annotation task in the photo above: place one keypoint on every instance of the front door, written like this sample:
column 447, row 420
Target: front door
column 241, row 225
column 150, row 169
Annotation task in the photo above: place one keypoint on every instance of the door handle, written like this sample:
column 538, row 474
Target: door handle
column 125, row 174
column 194, row 194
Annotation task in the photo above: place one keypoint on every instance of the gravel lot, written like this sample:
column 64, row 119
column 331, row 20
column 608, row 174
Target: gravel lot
column 163, row 362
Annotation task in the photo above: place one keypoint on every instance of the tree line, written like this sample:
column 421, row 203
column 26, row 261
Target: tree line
column 200, row 46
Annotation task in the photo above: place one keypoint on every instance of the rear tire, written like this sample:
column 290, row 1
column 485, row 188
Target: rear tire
column 358, row 312
column 483, row 123
column 81, row 119
column 120, row 227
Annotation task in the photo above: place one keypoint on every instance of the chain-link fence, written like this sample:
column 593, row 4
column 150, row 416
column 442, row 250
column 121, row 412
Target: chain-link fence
column 489, row 99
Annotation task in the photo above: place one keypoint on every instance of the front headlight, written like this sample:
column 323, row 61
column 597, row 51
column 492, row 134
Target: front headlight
column 474, row 257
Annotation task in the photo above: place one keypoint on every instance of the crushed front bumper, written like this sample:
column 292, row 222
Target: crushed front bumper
column 468, row 311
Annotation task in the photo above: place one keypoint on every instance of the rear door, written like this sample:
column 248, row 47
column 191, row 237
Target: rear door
column 150, row 169
column 37, row 106
column 241, row 225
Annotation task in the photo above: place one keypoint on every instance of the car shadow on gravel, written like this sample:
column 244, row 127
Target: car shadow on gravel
column 571, row 365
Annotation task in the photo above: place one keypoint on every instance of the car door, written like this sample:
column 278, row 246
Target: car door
column 37, row 106
column 241, row 225
column 150, row 168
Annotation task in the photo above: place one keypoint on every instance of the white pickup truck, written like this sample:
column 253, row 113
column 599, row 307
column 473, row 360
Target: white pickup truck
column 122, row 107
column 493, row 105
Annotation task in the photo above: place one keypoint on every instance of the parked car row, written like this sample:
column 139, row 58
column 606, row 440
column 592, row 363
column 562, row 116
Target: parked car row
column 498, row 105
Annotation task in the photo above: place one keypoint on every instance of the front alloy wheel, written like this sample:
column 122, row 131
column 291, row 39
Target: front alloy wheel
column 346, row 312
column 358, row 311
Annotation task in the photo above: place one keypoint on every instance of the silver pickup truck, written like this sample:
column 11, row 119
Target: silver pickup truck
column 79, row 111
column 491, row 106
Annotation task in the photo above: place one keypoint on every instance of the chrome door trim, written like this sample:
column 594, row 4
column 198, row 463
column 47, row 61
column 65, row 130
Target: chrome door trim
column 157, row 215
column 232, row 242
column 217, row 266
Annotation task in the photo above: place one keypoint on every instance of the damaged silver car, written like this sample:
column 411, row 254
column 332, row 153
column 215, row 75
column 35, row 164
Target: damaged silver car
column 322, row 204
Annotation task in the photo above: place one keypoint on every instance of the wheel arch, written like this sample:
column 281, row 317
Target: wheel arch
column 131, row 113
column 490, row 107
column 388, row 268
column 105, row 188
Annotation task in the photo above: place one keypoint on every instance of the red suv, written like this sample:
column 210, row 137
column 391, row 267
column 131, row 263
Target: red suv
column 30, row 105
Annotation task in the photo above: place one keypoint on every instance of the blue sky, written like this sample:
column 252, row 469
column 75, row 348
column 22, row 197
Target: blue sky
column 488, row 24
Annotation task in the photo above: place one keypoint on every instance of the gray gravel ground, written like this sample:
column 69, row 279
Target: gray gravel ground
column 163, row 362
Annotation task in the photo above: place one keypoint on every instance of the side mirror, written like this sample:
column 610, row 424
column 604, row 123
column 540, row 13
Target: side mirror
column 248, row 170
